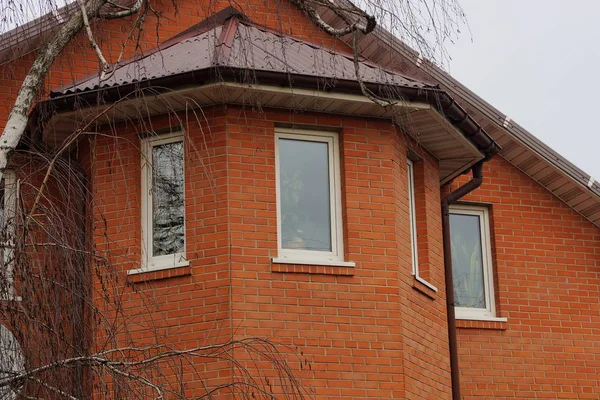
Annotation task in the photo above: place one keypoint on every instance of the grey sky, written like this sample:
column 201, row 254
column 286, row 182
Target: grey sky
column 537, row 61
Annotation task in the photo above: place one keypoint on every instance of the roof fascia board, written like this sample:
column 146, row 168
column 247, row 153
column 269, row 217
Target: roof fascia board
column 344, row 100
column 316, row 94
column 517, row 132
column 29, row 32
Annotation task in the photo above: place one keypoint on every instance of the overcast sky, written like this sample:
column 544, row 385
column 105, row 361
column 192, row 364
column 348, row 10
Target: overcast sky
column 538, row 62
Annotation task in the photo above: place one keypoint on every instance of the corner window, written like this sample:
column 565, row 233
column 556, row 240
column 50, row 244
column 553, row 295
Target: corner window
column 308, row 197
column 8, row 207
column 412, row 215
column 163, row 202
column 471, row 262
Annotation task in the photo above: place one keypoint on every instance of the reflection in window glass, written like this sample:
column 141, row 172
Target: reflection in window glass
column 305, row 195
column 167, row 199
column 467, row 261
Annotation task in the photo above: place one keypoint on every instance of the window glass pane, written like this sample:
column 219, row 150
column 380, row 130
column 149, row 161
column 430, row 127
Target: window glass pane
column 305, row 195
column 167, row 199
column 467, row 261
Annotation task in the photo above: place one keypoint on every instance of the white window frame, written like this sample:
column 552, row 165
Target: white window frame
column 488, row 313
column 150, row 263
column 11, row 191
column 298, row 256
column 412, row 217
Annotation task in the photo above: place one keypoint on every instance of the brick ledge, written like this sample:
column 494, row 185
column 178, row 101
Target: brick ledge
column 424, row 289
column 312, row 269
column 481, row 324
column 160, row 274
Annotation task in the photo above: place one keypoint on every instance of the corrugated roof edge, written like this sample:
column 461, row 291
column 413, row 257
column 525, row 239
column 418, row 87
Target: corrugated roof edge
column 517, row 131
column 45, row 23
column 31, row 30
column 455, row 87
column 28, row 33
column 221, row 18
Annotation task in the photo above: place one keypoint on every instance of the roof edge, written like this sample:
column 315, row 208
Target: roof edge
column 436, row 98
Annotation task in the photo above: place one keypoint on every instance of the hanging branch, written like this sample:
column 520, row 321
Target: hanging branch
column 17, row 120
column 105, row 66
column 354, row 29
column 125, row 11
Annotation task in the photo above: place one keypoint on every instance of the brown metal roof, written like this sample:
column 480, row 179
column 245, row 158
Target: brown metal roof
column 30, row 36
column 528, row 153
column 241, row 45
column 536, row 159
column 242, row 52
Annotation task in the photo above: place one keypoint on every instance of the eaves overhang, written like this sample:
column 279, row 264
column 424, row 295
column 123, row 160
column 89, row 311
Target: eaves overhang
column 434, row 121
column 578, row 189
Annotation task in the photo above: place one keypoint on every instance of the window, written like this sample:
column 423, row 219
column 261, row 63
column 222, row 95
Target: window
column 163, row 205
column 471, row 262
column 8, row 206
column 309, row 218
column 412, row 217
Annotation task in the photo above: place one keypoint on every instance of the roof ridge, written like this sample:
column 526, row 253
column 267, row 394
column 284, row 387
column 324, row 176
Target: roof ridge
column 225, row 41
column 362, row 59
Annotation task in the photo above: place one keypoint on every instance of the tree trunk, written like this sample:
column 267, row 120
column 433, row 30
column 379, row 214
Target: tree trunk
column 17, row 120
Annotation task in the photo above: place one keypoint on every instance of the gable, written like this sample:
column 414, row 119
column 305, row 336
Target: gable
column 562, row 178
column 278, row 15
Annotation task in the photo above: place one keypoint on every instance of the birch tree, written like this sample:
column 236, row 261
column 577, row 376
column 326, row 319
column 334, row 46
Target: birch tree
column 425, row 24
column 48, row 231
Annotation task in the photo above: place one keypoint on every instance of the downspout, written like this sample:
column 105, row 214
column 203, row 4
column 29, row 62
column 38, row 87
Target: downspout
column 474, row 183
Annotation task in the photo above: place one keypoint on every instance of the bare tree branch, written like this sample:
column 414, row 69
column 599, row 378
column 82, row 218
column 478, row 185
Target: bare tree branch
column 125, row 12
column 104, row 65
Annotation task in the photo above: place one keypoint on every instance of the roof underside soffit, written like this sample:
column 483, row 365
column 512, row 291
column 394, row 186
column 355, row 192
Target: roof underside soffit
column 240, row 63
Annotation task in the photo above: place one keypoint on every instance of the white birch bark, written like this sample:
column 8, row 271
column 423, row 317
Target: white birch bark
column 17, row 120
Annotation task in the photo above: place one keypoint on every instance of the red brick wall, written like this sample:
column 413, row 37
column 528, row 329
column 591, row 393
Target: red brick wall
column 366, row 332
column 191, row 308
column 79, row 60
column 43, row 310
column 546, row 261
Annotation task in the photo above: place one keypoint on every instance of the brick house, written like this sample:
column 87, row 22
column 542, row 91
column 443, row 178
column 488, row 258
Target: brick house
column 240, row 178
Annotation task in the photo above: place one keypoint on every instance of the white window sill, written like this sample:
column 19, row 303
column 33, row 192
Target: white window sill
column 424, row 282
column 328, row 263
column 481, row 318
column 158, row 268
column 11, row 298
